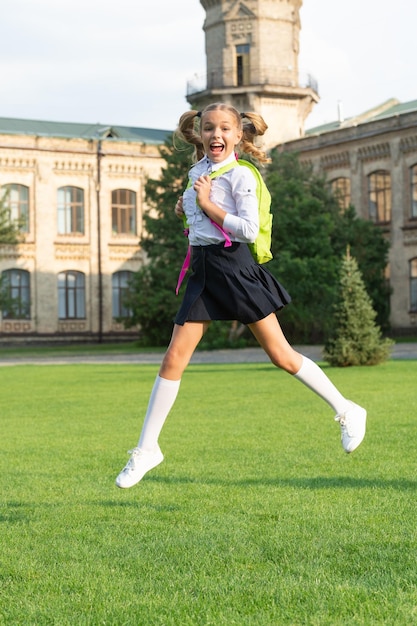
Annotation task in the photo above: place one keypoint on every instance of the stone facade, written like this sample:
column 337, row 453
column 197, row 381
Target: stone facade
column 43, row 165
column 379, row 145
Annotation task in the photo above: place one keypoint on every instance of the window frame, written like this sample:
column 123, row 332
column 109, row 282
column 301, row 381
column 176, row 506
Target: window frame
column 413, row 192
column 342, row 190
column 380, row 207
column 71, row 297
column 18, row 208
column 242, row 64
column 412, row 272
column 71, row 211
column 17, row 293
column 124, row 213
column 120, row 287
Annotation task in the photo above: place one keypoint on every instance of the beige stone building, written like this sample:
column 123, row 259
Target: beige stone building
column 371, row 160
column 79, row 190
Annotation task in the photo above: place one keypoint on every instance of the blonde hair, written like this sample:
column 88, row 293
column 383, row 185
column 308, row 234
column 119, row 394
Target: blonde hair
column 251, row 124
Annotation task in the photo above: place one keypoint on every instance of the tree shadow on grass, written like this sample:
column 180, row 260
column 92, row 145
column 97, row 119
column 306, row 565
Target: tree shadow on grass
column 310, row 482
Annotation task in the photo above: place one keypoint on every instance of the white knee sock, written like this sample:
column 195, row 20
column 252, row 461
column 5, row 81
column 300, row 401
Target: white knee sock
column 162, row 398
column 314, row 378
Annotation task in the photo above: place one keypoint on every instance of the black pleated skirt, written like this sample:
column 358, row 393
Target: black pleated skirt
column 227, row 284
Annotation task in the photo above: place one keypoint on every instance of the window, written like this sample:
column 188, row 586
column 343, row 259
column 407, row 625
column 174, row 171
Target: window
column 15, row 291
column 16, row 199
column 379, row 196
column 120, row 288
column 413, row 285
column 71, row 295
column 413, row 194
column 242, row 64
column 70, row 211
column 123, row 206
column 341, row 190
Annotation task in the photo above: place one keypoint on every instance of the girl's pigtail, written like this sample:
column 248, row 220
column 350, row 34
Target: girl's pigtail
column 253, row 125
column 187, row 132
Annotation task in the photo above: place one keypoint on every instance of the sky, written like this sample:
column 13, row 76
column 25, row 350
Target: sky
column 128, row 62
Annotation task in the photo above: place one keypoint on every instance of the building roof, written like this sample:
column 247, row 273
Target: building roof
column 390, row 108
column 74, row 130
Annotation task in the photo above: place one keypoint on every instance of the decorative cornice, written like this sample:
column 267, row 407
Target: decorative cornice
column 374, row 152
column 73, row 166
column 408, row 144
column 17, row 163
column 335, row 160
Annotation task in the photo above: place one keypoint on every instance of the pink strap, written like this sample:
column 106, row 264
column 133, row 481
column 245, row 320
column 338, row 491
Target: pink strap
column 186, row 264
column 228, row 241
column 184, row 270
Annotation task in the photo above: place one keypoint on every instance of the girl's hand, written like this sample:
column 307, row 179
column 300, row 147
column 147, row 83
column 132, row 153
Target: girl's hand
column 202, row 187
column 179, row 211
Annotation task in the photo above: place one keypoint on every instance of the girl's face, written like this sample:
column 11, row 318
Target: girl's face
column 220, row 134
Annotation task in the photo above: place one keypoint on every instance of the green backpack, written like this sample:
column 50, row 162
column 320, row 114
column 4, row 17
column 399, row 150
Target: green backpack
column 261, row 247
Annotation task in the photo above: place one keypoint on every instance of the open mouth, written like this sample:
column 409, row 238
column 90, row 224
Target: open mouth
column 216, row 148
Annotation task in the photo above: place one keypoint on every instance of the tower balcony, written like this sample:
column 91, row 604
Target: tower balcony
column 263, row 79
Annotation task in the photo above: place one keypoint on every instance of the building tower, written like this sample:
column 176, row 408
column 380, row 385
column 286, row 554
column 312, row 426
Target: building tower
column 252, row 63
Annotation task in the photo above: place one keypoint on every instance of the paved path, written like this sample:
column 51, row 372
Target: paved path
column 244, row 355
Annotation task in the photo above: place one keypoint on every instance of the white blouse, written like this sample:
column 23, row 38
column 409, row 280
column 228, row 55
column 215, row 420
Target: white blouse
column 234, row 192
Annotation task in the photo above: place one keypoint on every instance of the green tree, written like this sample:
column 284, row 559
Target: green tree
column 9, row 229
column 356, row 339
column 310, row 233
column 152, row 298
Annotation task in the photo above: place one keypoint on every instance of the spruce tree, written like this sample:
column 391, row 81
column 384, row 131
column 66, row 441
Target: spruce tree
column 356, row 339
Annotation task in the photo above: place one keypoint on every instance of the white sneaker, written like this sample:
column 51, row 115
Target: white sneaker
column 353, row 426
column 140, row 462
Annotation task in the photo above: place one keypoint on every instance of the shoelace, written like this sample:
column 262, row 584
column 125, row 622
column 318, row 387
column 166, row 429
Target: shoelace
column 134, row 454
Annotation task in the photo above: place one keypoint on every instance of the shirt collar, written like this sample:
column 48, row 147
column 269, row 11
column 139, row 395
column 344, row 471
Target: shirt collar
column 213, row 167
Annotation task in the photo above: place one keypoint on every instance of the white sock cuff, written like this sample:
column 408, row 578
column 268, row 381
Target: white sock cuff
column 305, row 364
column 165, row 382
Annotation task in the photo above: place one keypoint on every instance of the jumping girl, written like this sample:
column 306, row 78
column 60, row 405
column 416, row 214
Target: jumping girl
column 226, row 283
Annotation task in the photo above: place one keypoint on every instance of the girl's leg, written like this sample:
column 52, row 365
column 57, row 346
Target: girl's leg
column 351, row 417
column 183, row 342
column 147, row 454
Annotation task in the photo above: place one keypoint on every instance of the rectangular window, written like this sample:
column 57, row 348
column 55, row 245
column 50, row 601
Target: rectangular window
column 242, row 65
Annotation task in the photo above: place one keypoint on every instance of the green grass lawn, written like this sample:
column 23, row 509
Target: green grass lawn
column 256, row 517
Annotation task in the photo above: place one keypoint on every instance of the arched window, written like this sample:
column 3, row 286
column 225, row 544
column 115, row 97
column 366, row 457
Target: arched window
column 70, row 211
column 16, row 199
column 123, row 207
column 413, row 194
column 120, row 288
column 341, row 190
column 379, row 196
column 15, row 292
column 413, row 285
column 71, row 295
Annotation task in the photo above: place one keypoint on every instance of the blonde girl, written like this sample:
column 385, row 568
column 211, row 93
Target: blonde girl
column 225, row 282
